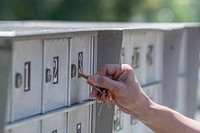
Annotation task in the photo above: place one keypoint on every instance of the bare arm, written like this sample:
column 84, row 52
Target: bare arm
column 130, row 98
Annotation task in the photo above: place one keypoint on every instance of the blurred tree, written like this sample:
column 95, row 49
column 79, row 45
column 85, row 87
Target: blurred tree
column 101, row 10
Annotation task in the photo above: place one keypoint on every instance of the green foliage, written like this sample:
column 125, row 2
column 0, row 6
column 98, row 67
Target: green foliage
column 101, row 10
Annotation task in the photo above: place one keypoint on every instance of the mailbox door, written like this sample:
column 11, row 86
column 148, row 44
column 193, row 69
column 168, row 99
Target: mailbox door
column 55, row 74
column 80, row 62
column 153, row 62
column 31, row 127
column 120, row 124
column 181, row 96
column 79, row 120
column 54, row 124
column 125, row 49
column 26, row 79
column 137, row 56
column 136, row 126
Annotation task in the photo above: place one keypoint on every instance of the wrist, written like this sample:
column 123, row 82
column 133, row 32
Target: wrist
column 143, row 108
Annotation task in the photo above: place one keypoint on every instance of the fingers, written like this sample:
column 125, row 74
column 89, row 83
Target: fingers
column 104, row 82
column 108, row 69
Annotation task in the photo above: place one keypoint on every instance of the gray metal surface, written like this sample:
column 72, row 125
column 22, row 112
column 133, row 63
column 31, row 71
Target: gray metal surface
column 79, row 120
column 5, row 66
column 56, row 65
column 27, row 62
column 171, row 53
column 29, row 127
column 55, row 124
column 107, row 40
column 80, row 61
column 193, row 64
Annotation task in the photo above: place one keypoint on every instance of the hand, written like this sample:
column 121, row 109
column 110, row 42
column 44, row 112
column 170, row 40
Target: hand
column 121, row 81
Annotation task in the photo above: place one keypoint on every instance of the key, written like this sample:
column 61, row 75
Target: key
column 86, row 77
column 99, row 113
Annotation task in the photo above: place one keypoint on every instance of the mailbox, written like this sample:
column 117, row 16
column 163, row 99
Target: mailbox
column 26, row 79
column 55, row 75
column 29, row 127
column 137, row 45
column 120, row 123
column 135, row 126
column 79, row 120
column 153, row 59
column 54, row 124
column 81, row 55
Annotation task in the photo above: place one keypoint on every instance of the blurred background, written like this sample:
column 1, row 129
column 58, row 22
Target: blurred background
column 102, row 10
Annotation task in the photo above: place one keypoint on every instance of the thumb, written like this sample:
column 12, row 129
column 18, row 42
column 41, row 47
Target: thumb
column 104, row 82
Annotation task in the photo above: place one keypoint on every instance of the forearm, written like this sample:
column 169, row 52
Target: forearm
column 164, row 120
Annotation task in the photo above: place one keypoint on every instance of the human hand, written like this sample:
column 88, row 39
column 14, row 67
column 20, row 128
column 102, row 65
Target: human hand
column 121, row 81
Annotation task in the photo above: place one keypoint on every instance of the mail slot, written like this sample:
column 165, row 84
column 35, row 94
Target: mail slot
column 54, row 124
column 55, row 74
column 79, row 120
column 26, row 79
column 80, row 58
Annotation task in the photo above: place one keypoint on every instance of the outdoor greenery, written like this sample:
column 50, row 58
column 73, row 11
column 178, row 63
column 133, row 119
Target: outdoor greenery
column 102, row 10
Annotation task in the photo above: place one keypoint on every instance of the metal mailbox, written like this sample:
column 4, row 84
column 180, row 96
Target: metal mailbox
column 193, row 63
column 181, row 96
column 120, row 123
column 81, row 56
column 55, row 124
column 79, row 120
column 26, row 78
column 30, row 127
column 135, row 126
column 153, row 59
column 137, row 47
column 55, row 75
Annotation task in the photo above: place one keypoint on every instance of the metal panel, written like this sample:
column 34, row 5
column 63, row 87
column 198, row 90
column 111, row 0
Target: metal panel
column 31, row 127
column 79, row 120
column 80, row 62
column 153, row 59
column 135, row 126
column 54, row 124
column 171, row 53
column 137, row 56
column 107, row 40
column 55, row 74
column 121, row 121
column 26, row 78
column 5, row 67
column 181, row 95
column 193, row 63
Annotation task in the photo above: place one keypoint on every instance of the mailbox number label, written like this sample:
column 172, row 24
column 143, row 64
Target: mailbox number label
column 78, row 128
column 27, row 76
column 55, row 69
column 80, row 63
